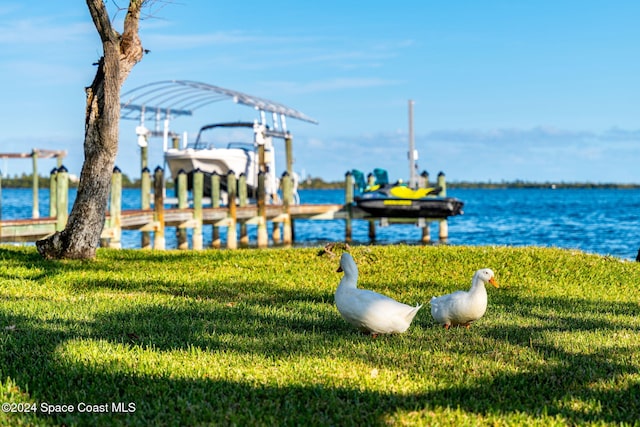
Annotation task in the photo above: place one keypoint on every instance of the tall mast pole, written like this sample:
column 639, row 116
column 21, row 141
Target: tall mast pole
column 413, row 179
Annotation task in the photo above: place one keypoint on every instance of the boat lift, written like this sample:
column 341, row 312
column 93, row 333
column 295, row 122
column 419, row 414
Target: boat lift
column 169, row 99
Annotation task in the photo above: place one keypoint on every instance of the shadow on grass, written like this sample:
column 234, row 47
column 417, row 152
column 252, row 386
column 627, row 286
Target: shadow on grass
column 226, row 318
column 561, row 386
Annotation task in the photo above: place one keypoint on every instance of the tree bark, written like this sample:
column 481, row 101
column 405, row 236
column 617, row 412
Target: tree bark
column 81, row 236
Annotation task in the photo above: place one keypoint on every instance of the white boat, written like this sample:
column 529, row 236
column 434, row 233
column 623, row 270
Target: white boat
column 175, row 98
column 238, row 155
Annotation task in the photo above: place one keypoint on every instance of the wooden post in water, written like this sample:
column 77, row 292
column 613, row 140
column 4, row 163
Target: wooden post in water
column 215, row 203
column 287, row 199
column 145, row 203
column 232, row 232
column 144, row 155
column 371, row 181
column 276, row 235
column 115, row 209
column 53, row 183
column 198, row 190
column 288, row 148
column 443, row 233
column 423, row 182
column 159, row 241
column 372, row 230
column 62, row 198
column 263, row 238
column 35, row 210
column 242, row 202
column 348, row 200
column 183, row 203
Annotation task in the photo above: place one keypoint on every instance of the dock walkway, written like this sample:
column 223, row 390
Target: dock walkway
column 193, row 215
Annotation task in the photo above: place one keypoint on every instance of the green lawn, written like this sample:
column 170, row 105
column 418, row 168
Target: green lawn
column 252, row 337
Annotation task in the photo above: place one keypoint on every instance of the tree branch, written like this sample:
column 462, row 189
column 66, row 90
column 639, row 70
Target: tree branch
column 101, row 20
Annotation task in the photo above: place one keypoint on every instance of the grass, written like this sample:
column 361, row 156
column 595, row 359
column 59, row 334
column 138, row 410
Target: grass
column 252, row 337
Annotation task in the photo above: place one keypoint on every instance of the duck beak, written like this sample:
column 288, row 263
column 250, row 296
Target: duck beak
column 493, row 282
column 339, row 270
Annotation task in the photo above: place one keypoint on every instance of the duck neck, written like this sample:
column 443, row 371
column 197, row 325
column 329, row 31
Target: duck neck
column 477, row 286
column 349, row 280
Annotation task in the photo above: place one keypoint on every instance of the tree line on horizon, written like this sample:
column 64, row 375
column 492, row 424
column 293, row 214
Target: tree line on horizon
column 319, row 183
column 316, row 183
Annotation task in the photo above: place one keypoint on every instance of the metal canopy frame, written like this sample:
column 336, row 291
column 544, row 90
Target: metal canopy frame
column 172, row 98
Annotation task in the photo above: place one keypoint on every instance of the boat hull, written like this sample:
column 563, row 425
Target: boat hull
column 209, row 161
column 433, row 207
column 218, row 160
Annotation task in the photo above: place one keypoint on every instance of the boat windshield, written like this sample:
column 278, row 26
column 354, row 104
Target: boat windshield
column 224, row 135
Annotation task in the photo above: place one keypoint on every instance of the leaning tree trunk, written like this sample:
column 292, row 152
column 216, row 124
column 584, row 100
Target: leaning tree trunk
column 81, row 236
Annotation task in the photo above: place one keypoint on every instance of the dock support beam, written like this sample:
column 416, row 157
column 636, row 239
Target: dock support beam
column 183, row 203
column 232, row 231
column 348, row 200
column 423, row 182
column 159, row 241
column 115, row 209
column 198, row 189
column 443, row 233
column 62, row 198
column 35, row 211
column 242, row 202
column 215, row 203
column 145, row 203
column 53, row 183
column 263, row 238
column 287, row 199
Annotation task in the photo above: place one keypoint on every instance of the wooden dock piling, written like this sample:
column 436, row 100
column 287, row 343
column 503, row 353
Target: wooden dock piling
column 348, row 200
column 198, row 190
column 53, row 191
column 182, row 193
column 159, row 241
column 242, row 202
column 287, row 200
column 145, row 203
column 215, row 203
column 263, row 238
column 115, row 209
column 423, row 182
column 62, row 198
column 227, row 212
column 443, row 225
column 232, row 231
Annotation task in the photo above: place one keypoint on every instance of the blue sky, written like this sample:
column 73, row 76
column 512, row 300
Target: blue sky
column 503, row 90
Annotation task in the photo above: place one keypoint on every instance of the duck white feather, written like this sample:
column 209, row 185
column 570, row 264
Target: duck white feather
column 464, row 307
column 370, row 311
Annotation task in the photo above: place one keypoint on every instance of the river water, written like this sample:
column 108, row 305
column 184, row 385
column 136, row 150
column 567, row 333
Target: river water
column 602, row 221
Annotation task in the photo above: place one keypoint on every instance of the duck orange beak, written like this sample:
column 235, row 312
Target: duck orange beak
column 493, row 282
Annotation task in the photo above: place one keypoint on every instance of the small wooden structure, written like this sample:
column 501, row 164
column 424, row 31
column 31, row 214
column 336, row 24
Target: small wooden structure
column 35, row 154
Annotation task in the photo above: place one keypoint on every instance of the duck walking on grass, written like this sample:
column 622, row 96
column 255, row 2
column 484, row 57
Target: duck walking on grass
column 461, row 308
column 369, row 311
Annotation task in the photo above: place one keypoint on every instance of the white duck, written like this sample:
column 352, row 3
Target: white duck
column 464, row 307
column 369, row 311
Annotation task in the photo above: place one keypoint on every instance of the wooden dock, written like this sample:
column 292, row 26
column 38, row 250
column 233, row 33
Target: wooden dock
column 152, row 219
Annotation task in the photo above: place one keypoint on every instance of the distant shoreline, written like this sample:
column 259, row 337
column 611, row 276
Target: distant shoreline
column 25, row 181
column 317, row 184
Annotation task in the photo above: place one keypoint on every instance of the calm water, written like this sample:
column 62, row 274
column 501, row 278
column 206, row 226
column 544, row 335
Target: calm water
column 599, row 221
